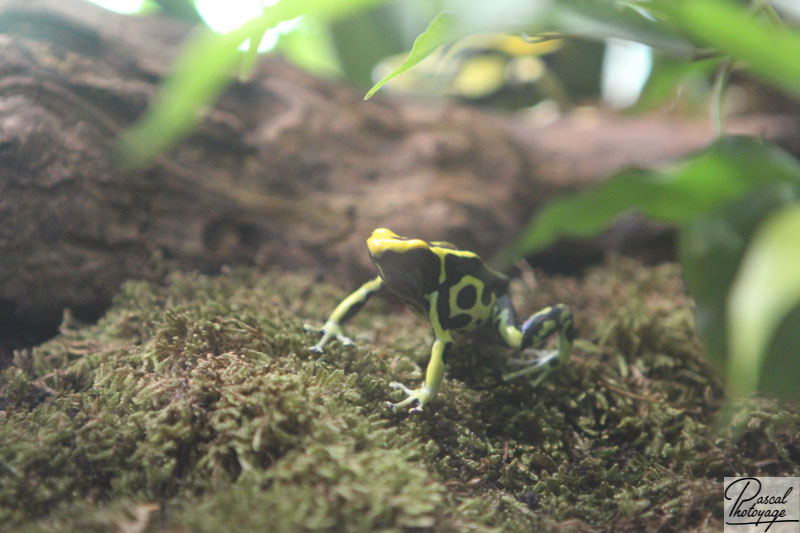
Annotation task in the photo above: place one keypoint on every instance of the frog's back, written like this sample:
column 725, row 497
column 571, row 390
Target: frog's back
column 468, row 290
column 459, row 263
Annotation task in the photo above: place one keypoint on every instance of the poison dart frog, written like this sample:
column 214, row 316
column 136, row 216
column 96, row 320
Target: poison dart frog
column 455, row 290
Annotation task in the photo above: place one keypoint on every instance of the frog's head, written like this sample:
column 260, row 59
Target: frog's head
column 385, row 240
column 408, row 266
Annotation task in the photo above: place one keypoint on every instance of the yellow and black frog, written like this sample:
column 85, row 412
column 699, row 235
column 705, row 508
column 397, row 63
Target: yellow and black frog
column 455, row 290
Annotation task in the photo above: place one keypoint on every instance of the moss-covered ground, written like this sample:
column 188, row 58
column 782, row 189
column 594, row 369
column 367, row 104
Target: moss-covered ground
column 196, row 406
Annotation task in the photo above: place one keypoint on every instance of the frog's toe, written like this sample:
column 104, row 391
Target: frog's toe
column 345, row 340
column 314, row 330
column 317, row 348
column 416, row 398
column 538, row 355
column 326, row 336
column 395, row 385
column 393, row 407
column 330, row 330
column 543, row 364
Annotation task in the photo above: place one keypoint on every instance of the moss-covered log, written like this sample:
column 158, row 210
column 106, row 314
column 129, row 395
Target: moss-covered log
column 197, row 406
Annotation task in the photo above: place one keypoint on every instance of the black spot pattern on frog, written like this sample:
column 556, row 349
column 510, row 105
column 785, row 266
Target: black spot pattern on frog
column 455, row 268
column 467, row 296
column 448, row 348
column 414, row 274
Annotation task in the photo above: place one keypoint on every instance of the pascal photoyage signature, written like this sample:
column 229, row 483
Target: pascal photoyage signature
column 748, row 489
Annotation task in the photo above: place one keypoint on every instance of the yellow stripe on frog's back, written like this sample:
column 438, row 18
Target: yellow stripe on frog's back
column 443, row 252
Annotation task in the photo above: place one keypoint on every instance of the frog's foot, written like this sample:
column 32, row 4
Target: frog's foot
column 544, row 363
column 330, row 330
column 527, row 361
column 418, row 397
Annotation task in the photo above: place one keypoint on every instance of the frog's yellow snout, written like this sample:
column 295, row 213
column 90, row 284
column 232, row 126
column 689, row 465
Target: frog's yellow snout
column 380, row 240
column 383, row 239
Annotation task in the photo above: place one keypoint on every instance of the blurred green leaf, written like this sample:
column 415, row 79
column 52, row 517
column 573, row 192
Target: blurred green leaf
column 201, row 71
column 711, row 248
column 203, row 68
column 592, row 20
column 669, row 76
column 718, row 197
column 779, row 372
column 251, row 55
column 438, row 32
column 310, row 46
column 724, row 171
column 181, row 9
column 770, row 51
column 364, row 39
column 606, row 19
column 764, row 292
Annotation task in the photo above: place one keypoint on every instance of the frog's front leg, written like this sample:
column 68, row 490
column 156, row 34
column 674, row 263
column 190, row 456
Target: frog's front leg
column 433, row 377
column 333, row 327
column 534, row 331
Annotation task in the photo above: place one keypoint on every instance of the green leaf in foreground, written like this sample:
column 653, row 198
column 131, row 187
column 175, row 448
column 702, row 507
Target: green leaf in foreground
column 603, row 20
column 711, row 248
column 570, row 17
column 747, row 295
column 438, row 32
column 766, row 289
column 724, row 171
column 770, row 51
column 251, row 55
column 201, row 72
column 204, row 67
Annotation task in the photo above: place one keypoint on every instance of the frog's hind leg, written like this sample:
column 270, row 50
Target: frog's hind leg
column 505, row 322
column 534, row 331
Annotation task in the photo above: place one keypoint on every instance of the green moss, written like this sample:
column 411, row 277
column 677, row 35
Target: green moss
column 197, row 405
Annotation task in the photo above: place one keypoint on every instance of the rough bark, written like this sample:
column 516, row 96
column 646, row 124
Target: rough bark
column 285, row 170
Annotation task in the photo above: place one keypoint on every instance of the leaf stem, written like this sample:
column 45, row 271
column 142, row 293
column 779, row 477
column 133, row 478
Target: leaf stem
column 763, row 6
column 718, row 96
